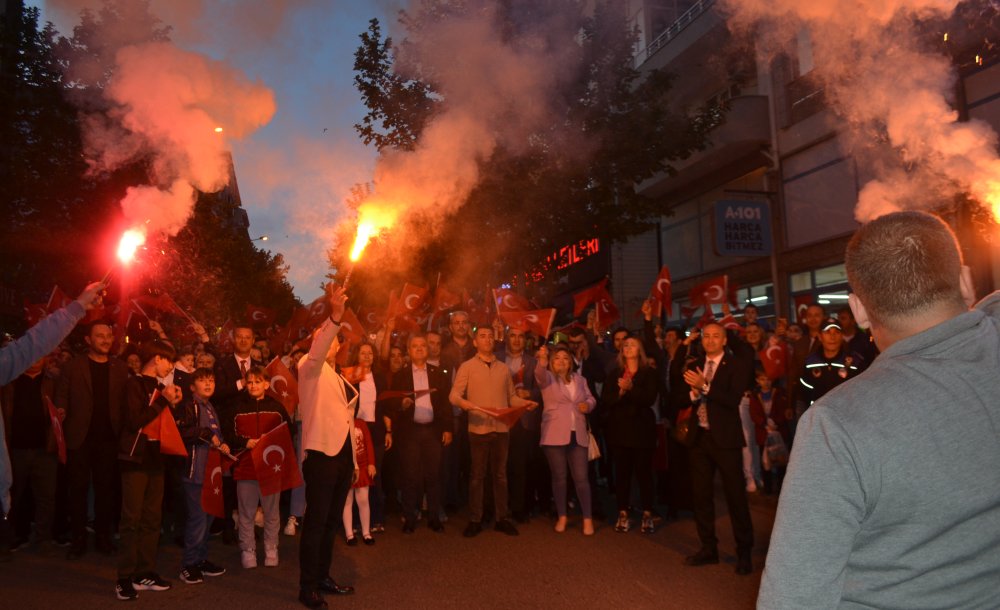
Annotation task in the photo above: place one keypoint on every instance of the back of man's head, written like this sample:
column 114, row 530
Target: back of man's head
column 903, row 264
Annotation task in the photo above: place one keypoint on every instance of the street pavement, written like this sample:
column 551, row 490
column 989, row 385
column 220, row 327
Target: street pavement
column 537, row 569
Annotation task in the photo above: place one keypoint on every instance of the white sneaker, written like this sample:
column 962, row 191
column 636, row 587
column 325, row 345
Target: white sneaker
column 271, row 558
column 291, row 525
column 258, row 518
column 249, row 559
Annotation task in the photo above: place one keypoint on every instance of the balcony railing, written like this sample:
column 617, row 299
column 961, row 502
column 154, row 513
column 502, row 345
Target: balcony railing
column 673, row 31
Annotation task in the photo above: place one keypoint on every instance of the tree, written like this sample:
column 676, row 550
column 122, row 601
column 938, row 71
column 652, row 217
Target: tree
column 572, row 179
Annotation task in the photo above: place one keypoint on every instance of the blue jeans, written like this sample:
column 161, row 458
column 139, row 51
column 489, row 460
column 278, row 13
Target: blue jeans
column 576, row 457
column 196, row 527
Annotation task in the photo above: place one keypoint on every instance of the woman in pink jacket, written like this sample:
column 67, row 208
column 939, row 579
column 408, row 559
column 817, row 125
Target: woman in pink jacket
column 567, row 400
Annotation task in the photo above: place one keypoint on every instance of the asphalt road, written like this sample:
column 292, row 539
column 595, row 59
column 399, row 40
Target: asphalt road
column 537, row 569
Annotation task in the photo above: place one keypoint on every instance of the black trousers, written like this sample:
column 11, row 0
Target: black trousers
column 637, row 460
column 526, row 466
column 97, row 462
column 327, row 481
column 707, row 458
column 420, row 458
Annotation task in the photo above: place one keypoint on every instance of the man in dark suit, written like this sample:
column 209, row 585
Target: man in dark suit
column 717, row 383
column 91, row 392
column 230, row 371
column 422, row 425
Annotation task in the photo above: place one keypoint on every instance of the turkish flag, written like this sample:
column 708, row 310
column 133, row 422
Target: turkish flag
column 260, row 317
column 164, row 429
column 211, row 486
column 688, row 312
column 729, row 322
column 276, row 473
column 538, row 321
column 34, row 312
column 370, row 318
column 410, row 300
column 507, row 416
column 317, row 311
column 161, row 303
column 607, row 311
column 588, row 296
column 661, row 292
column 714, row 290
column 351, row 327
column 57, row 430
column 445, row 299
column 58, row 299
column 774, row 358
column 802, row 303
column 283, row 387
column 508, row 300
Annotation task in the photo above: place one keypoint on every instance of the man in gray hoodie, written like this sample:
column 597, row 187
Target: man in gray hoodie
column 892, row 497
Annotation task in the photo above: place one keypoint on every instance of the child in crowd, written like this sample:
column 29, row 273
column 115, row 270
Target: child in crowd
column 359, row 490
column 770, row 411
column 142, row 473
column 200, row 430
column 256, row 415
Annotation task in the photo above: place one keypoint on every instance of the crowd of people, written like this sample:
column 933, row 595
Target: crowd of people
column 419, row 423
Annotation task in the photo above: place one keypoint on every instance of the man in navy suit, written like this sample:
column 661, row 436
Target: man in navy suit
column 717, row 383
column 422, row 425
column 230, row 370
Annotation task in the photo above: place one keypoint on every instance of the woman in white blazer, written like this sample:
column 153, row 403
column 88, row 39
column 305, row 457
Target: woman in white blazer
column 567, row 400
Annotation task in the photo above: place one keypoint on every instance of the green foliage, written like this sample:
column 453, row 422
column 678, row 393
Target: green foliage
column 60, row 220
column 612, row 126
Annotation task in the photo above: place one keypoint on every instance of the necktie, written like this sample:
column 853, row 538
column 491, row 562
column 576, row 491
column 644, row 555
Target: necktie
column 702, row 407
column 243, row 368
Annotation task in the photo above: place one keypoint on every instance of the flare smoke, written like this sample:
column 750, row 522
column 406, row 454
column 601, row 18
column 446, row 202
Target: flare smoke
column 894, row 94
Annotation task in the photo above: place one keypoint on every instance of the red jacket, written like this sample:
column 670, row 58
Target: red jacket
column 779, row 414
column 253, row 419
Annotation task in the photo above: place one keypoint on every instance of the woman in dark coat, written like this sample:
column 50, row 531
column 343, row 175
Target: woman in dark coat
column 628, row 396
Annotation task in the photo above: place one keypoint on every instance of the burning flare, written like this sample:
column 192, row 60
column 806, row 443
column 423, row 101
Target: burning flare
column 374, row 218
column 129, row 243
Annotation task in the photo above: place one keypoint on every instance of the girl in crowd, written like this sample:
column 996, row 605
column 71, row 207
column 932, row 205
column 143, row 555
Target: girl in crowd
column 359, row 490
column 567, row 400
column 628, row 396
column 370, row 384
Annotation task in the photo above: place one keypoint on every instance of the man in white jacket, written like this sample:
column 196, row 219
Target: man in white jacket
column 330, row 465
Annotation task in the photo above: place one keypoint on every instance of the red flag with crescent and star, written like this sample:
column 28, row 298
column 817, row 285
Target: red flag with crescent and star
column 802, row 303
column 507, row 301
column 538, row 321
column 317, row 311
column 774, row 358
column 260, row 317
column 588, row 296
column 57, row 429
column 283, row 386
column 661, row 293
column 275, row 463
column 211, row 486
column 410, row 301
column 351, row 327
column 715, row 290
column 164, row 429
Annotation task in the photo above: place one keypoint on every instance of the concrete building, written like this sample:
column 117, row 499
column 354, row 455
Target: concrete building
column 780, row 154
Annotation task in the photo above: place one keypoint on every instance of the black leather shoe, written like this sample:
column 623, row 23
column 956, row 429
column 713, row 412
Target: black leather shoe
column 435, row 525
column 743, row 565
column 408, row 527
column 312, row 599
column 369, row 541
column 328, row 586
column 352, row 541
column 703, row 557
column 506, row 527
column 472, row 529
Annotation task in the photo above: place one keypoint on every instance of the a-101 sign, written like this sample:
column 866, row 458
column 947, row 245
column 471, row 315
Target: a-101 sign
column 742, row 228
